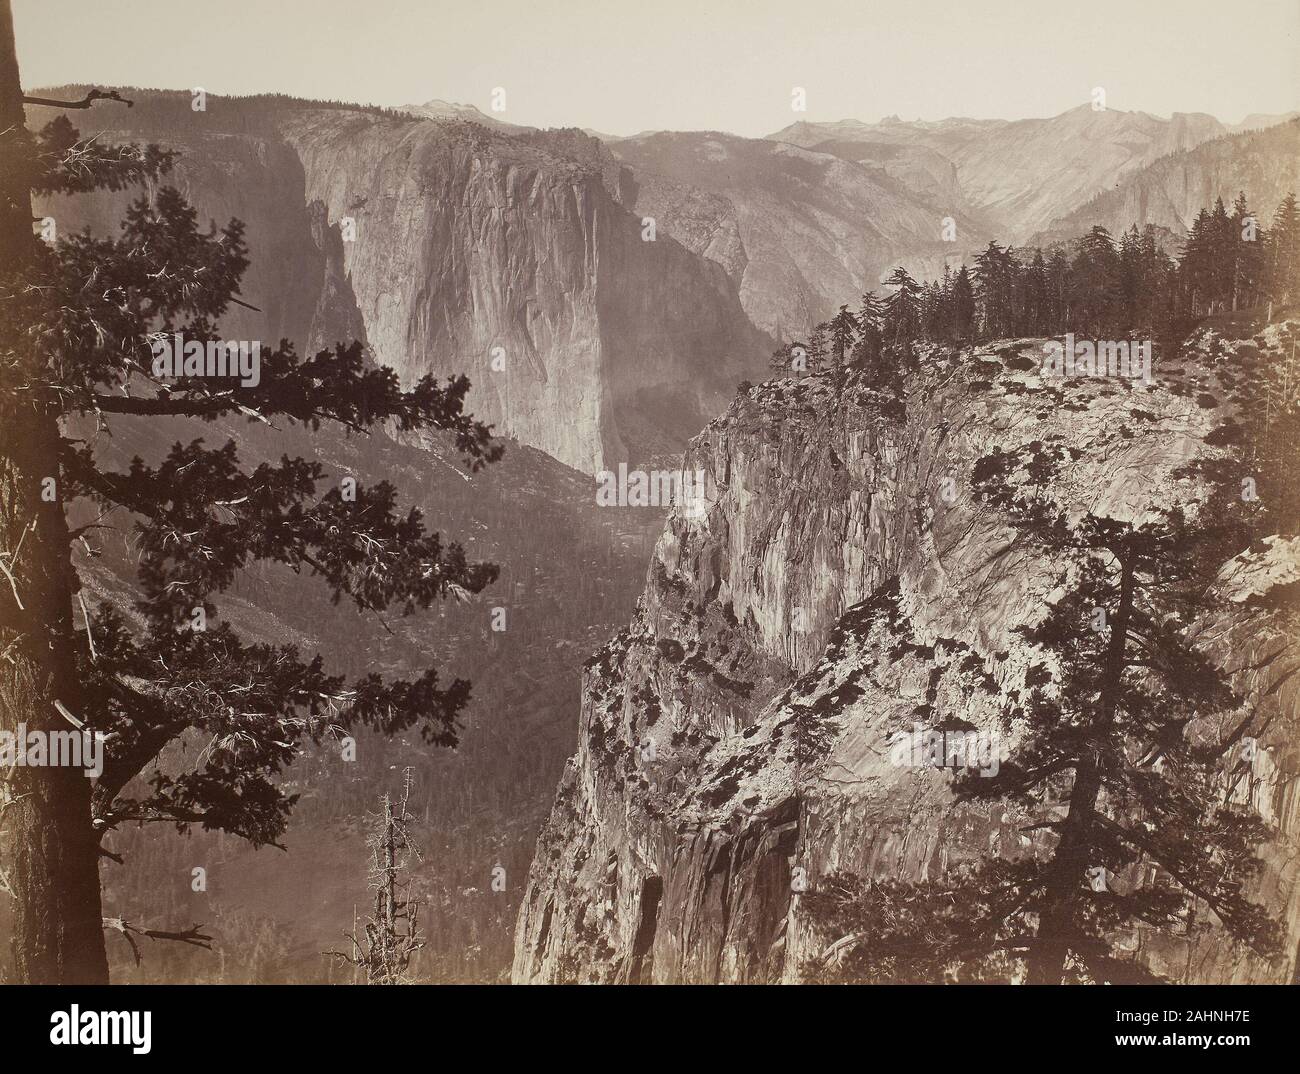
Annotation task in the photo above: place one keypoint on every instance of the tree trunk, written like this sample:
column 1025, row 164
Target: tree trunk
column 1067, row 871
column 49, row 852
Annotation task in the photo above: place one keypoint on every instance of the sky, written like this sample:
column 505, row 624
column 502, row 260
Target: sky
column 620, row 67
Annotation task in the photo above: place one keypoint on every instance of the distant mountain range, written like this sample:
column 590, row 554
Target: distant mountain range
column 631, row 282
column 813, row 214
column 798, row 231
column 1169, row 192
column 1018, row 176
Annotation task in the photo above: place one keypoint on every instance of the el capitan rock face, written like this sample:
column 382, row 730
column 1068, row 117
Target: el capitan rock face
column 473, row 245
column 508, row 258
column 734, row 740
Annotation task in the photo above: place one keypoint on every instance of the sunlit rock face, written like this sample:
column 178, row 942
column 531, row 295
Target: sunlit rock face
column 511, row 259
column 845, row 585
column 450, row 247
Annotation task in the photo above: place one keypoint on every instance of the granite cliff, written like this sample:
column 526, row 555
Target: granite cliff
column 734, row 739
column 451, row 248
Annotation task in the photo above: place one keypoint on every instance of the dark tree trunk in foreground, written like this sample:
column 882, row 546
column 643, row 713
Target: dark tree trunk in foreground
column 48, row 851
column 1050, row 952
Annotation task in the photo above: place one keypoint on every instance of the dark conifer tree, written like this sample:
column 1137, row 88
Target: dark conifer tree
column 1223, row 244
column 841, row 334
column 903, row 315
column 871, row 319
column 77, row 323
column 1130, row 277
column 1095, row 291
column 942, row 316
column 1059, row 308
column 790, row 359
column 1035, row 312
column 1283, row 253
column 996, row 274
column 1247, row 255
column 1195, row 266
column 931, row 311
column 818, row 347
column 963, row 306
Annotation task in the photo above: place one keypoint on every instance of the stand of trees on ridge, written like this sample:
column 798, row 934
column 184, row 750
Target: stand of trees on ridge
column 1100, row 289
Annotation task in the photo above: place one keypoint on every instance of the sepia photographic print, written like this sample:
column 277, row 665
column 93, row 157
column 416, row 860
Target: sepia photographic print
column 787, row 496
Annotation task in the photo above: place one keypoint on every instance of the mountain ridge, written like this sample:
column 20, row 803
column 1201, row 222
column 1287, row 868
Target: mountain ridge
column 1171, row 190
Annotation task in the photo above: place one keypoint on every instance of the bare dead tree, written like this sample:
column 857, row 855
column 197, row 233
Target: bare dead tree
column 391, row 936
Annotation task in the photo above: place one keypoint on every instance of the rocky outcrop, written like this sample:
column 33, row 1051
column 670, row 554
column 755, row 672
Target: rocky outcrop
column 845, row 585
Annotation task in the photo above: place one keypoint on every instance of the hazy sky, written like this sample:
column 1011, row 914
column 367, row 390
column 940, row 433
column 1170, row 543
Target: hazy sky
column 622, row 67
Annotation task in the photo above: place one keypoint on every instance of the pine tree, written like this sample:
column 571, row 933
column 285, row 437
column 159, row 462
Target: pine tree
column 149, row 679
column 842, row 334
column 1144, row 786
column 1059, row 307
column 1247, row 254
column 1284, row 252
column 871, row 319
column 996, row 275
column 1130, row 277
column 1096, row 294
column 1114, row 760
column 790, row 358
column 963, row 306
column 1036, row 320
column 1195, row 265
column 818, row 347
column 903, row 314
column 942, row 315
column 1223, row 243
column 929, row 310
